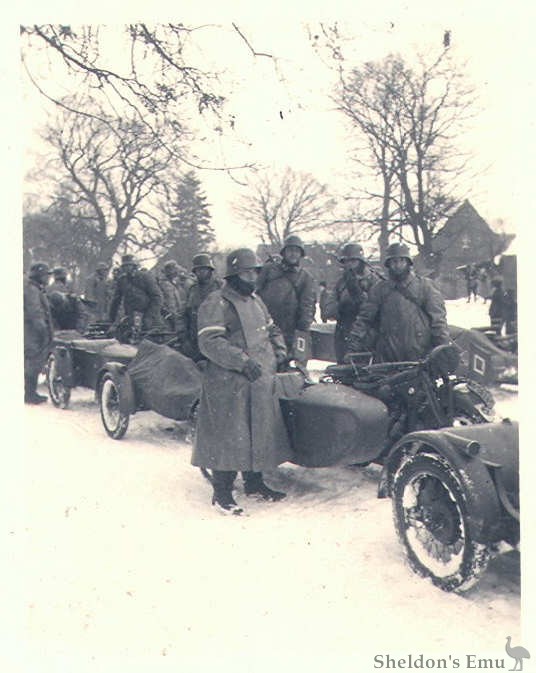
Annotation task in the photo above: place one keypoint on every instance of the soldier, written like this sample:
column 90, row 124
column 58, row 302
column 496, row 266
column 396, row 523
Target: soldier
column 98, row 292
column 37, row 329
column 348, row 295
column 65, row 307
column 173, row 293
column 471, row 279
column 205, row 283
column 59, row 283
column 288, row 292
column 138, row 291
column 498, row 307
column 239, row 426
column 403, row 317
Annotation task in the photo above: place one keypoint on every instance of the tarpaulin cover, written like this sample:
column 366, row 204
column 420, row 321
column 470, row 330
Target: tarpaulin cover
column 164, row 380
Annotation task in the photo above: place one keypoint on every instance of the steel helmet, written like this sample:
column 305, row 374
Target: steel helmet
column 172, row 265
column 242, row 259
column 352, row 251
column 39, row 268
column 60, row 273
column 202, row 259
column 128, row 259
column 397, row 250
column 295, row 241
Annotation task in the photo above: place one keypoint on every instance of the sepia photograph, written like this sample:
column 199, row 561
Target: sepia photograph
column 263, row 406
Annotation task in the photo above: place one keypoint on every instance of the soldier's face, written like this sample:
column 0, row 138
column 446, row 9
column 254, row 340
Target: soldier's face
column 399, row 267
column 356, row 264
column 129, row 269
column 203, row 273
column 292, row 255
column 248, row 275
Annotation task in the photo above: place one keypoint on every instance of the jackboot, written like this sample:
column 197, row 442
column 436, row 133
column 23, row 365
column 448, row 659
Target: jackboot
column 222, row 499
column 31, row 396
column 255, row 486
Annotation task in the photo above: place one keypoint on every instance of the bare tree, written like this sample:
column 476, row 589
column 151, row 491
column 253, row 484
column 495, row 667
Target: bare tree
column 408, row 119
column 110, row 170
column 278, row 205
column 151, row 76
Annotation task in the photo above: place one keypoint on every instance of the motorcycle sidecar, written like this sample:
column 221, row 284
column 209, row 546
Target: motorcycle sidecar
column 75, row 360
column 455, row 497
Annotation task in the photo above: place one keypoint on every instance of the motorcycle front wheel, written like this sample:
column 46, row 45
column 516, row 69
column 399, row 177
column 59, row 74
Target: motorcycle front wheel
column 60, row 394
column 431, row 520
column 115, row 422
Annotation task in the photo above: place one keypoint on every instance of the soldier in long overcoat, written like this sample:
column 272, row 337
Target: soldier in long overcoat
column 240, row 425
column 288, row 291
column 138, row 290
column 37, row 329
column 348, row 295
column 404, row 314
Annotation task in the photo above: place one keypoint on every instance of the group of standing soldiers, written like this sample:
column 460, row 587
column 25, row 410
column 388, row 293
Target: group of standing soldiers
column 244, row 327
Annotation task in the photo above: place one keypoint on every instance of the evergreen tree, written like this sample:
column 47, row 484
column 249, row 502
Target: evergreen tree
column 190, row 230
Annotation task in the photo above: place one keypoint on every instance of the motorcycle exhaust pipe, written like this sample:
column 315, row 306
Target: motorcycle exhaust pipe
column 469, row 447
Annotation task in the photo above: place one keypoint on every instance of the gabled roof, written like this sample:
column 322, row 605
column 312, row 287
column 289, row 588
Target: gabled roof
column 466, row 220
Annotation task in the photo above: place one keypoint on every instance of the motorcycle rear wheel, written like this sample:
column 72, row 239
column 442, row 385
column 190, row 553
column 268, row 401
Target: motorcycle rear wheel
column 432, row 522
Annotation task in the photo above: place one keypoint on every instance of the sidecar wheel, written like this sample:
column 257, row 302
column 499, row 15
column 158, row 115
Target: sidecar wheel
column 431, row 520
column 115, row 422
column 60, row 394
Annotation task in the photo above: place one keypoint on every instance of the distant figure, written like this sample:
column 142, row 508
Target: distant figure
column 37, row 329
column 98, row 291
column 137, row 290
column 288, row 292
column 510, row 312
column 348, row 295
column 205, row 282
column 498, row 305
column 484, row 284
column 322, row 300
column 471, row 279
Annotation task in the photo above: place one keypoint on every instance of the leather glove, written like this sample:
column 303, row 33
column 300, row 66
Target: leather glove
column 283, row 364
column 252, row 370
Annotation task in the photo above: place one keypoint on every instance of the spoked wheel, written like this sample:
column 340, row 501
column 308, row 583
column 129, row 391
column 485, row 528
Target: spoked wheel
column 431, row 520
column 114, row 420
column 60, row 394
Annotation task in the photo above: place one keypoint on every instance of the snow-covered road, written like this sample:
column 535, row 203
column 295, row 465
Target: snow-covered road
column 125, row 565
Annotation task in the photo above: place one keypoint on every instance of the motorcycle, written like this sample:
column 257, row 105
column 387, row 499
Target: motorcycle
column 448, row 465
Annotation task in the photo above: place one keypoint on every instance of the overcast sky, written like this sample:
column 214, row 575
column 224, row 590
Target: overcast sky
column 311, row 136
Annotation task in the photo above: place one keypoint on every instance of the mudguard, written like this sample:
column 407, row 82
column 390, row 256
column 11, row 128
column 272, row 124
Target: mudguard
column 64, row 365
column 127, row 398
column 331, row 424
column 476, row 454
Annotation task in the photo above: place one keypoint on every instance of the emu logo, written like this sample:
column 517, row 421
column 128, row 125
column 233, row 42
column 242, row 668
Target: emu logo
column 300, row 344
column 518, row 653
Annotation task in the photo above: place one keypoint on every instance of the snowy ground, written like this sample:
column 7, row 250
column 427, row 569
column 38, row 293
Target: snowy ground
column 122, row 564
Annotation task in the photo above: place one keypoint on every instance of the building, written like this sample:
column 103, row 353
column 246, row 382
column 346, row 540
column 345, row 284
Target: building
column 466, row 238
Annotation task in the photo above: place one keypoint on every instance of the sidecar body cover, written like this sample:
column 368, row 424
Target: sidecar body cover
column 332, row 424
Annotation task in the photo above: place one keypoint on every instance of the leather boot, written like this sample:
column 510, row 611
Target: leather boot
column 222, row 499
column 31, row 396
column 255, row 486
